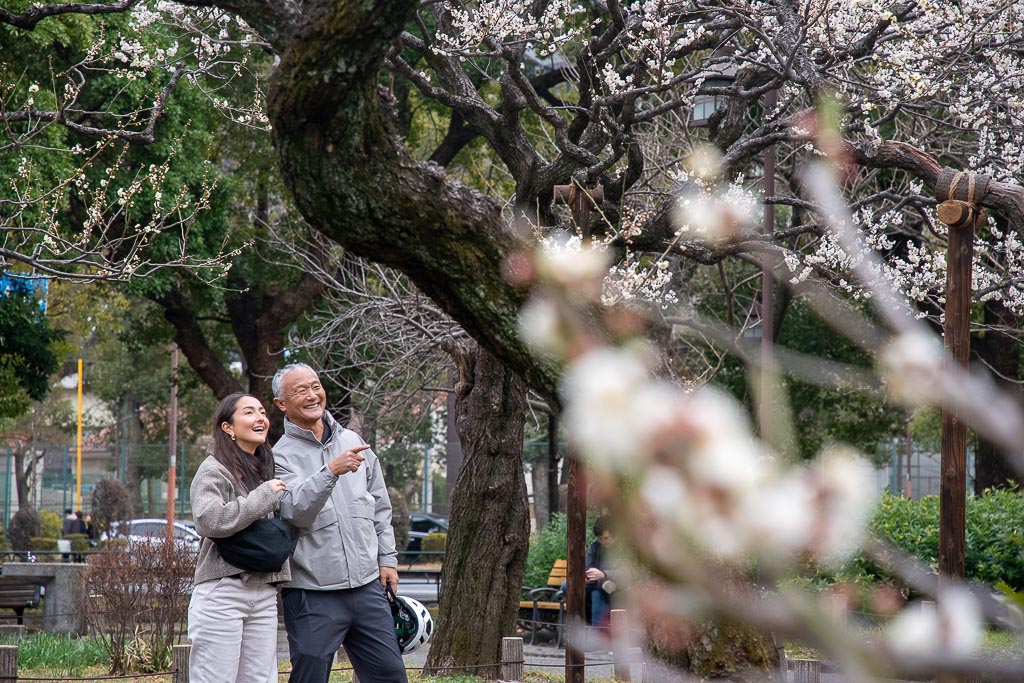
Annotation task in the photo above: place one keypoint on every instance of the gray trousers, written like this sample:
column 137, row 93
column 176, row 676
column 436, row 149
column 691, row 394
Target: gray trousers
column 233, row 629
column 318, row 622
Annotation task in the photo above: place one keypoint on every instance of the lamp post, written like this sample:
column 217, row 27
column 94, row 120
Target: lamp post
column 580, row 201
column 173, row 439
column 704, row 106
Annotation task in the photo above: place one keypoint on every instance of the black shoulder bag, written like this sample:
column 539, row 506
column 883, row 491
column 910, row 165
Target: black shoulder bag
column 263, row 546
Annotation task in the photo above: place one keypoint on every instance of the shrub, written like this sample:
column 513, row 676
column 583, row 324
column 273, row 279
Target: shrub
column 548, row 545
column 52, row 523
column 399, row 518
column 25, row 525
column 137, row 594
column 42, row 544
column 433, row 543
column 110, row 503
column 994, row 548
column 79, row 542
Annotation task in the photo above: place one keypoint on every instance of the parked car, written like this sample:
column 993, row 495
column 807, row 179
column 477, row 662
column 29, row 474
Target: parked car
column 153, row 530
column 421, row 524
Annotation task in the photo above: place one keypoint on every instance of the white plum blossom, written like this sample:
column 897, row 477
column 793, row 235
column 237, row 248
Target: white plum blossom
column 602, row 409
column 566, row 262
column 842, row 485
column 635, row 279
column 540, row 327
column 950, row 627
column 912, row 365
column 715, row 215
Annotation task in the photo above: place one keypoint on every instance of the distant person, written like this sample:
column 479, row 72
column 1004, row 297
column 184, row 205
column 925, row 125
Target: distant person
column 345, row 553
column 232, row 616
column 79, row 529
column 91, row 531
column 68, row 526
column 72, row 524
column 600, row 585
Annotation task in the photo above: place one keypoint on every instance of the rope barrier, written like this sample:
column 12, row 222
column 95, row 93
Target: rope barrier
column 426, row 670
column 109, row 677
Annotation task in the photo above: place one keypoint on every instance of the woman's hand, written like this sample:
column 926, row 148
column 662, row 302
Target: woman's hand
column 276, row 485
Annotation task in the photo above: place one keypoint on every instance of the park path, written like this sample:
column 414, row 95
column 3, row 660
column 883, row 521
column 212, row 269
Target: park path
column 547, row 658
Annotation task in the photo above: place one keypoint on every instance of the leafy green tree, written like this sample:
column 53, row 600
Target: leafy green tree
column 27, row 354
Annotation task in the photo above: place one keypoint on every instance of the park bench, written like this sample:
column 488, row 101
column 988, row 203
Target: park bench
column 19, row 594
column 545, row 605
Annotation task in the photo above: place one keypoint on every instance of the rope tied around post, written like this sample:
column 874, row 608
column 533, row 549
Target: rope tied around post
column 960, row 194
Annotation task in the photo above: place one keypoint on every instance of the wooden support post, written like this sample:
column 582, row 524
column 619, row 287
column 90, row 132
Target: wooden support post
column 341, row 657
column 8, row 662
column 806, row 671
column 953, row 478
column 580, row 202
column 837, row 608
column 179, row 663
column 620, row 644
column 782, row 671
column 511, row 660
column 959, row 194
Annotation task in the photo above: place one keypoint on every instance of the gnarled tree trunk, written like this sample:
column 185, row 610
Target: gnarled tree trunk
column 1000, row 351
column 489, row 524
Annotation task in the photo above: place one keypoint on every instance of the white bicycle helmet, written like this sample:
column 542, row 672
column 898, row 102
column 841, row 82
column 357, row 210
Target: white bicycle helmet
column 413, row 623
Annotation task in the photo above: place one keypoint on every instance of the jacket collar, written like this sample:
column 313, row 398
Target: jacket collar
column 330, row 424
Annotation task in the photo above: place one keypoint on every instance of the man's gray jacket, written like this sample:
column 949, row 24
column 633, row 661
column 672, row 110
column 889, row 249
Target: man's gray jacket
column 343, row 523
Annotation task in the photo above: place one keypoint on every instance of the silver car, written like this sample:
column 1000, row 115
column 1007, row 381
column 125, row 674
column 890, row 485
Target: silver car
column 152, row 530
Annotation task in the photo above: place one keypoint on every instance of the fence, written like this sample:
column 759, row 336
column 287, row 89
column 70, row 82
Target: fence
column 920, row 475
column 55, row 476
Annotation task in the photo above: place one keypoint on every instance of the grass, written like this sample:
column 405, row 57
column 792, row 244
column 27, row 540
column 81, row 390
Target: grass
column 58, row 653
column 51, row 656
column 42, row 673
column 994, row 643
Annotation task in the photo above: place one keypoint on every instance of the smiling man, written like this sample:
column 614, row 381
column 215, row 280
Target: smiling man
column 338, row 505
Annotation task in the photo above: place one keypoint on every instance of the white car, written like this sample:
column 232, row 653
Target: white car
column 150, row 530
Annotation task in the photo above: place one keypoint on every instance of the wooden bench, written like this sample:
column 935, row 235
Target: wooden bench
column 19, row 594
column 546, row 605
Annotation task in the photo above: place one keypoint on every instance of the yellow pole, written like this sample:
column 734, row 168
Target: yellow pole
column 78, row 482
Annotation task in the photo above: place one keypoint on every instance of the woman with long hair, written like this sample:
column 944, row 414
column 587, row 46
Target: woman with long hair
column 232, row 616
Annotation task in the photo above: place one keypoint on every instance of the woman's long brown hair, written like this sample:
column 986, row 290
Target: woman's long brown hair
column 249, row 471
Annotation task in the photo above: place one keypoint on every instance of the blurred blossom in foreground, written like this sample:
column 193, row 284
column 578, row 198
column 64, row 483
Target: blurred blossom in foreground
column 706, row 163
column 951, row 627
column 912, row 365
column 714, row 215
column 705, row 480
column 702, row 475
column 612, row 406
column 567, row 264
column 540, row 327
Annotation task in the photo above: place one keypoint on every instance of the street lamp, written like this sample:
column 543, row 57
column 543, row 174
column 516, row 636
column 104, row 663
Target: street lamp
column 705, row 104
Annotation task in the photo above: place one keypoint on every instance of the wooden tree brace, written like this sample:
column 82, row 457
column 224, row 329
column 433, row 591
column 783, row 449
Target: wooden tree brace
column 960, row 194
column 572, row 193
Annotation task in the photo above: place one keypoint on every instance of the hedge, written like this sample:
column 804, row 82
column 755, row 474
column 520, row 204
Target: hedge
column 994, row 540
column 434, row 542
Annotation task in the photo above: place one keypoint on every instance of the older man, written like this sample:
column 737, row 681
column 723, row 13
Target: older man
column 337, row 502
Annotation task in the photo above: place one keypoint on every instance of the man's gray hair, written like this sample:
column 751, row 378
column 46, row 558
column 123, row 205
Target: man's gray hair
column 278, row 381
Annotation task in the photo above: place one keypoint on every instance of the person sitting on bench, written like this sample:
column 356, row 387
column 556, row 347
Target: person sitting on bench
column 599, row 579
